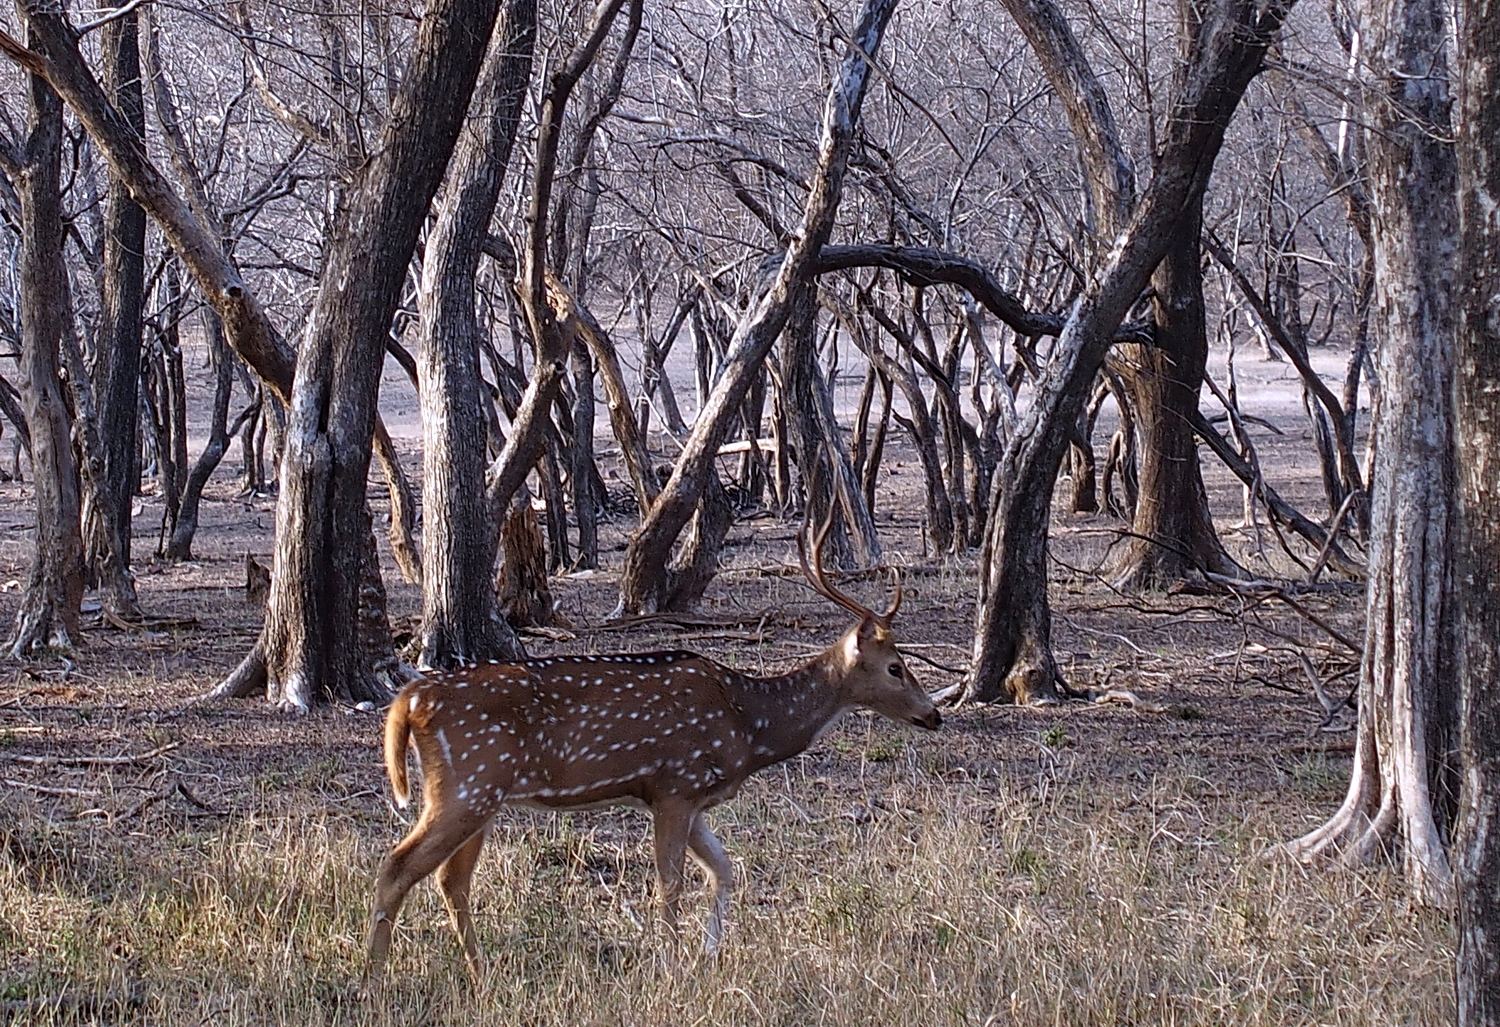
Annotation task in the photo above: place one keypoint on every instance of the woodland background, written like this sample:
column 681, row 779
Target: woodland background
column 1150, row 342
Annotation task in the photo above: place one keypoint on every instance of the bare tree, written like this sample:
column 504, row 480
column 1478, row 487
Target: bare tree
column 1403, row 787
column 50, row 608
column 645, row 582
column 123, row 311
column 461, row 618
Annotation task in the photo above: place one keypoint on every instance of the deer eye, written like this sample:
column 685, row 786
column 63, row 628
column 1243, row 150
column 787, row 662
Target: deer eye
column 894, row 670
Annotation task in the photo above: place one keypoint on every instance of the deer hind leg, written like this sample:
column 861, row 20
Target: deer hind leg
column 708, row 852
column 672, row 823
column 427, row 847
column 454, row 878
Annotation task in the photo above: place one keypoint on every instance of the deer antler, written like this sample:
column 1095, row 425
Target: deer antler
column 814, row 573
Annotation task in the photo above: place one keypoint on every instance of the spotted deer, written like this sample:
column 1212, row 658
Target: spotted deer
column 674, row 732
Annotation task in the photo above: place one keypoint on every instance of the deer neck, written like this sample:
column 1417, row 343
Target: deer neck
column 784, row 715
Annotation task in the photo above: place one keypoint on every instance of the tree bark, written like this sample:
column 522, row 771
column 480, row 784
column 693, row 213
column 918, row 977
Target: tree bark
column 49, row 612
column 1477, row 548
column 124, row 283
column 1173, row 537
column 461, row 618
column 644, row 583
column 1403, row 788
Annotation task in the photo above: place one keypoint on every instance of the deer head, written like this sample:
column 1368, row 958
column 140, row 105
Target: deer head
column 870, row 669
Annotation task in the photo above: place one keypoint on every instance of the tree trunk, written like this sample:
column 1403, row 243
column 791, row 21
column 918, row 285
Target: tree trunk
column 1403, row 789
column 1477, row 547
column 581, row 457
column 644, row 583
column 1012, row 645
column 799, row 365
column 1173, row 530
column 461, row 619
column 49, row 611
column 180, row 546
column 322, row 519
column 525, row 596
column 124, row 281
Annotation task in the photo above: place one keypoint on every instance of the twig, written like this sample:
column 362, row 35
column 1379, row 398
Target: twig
column 1280, row 593
column 77, row 793
column 176, row 787
column 90, row 761
column 1333, row 534
column 1100, row 634
column 682, row 620
column 929, row 661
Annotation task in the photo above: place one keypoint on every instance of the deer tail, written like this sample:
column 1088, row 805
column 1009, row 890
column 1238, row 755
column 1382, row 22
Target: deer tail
column 397, row 737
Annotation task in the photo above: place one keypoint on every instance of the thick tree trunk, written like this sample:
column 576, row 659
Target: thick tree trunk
column 1173, row 530
column 461, row 618
column 48, row 616
column 322, row 518
column 1403, row 790
column 1477, row 549
column 525, row 596
column 110, row 572
column 643, row 580
column 124, row 283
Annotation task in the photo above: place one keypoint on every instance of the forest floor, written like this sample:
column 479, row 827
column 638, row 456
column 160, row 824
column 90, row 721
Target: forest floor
column 1092, row 863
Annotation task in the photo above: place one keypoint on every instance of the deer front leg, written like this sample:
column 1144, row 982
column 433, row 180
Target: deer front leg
column 672, row 824
column 708, row 851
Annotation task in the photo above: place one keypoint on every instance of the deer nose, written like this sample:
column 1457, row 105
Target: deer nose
column 931, row 722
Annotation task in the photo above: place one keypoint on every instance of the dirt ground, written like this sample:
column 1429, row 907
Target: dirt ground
column 1224, row 750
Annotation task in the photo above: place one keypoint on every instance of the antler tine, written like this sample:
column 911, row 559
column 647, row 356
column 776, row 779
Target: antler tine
column 885, row 618
column 814, row 573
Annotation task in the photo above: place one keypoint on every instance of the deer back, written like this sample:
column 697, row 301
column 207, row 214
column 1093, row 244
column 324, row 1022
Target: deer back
column 570, row 732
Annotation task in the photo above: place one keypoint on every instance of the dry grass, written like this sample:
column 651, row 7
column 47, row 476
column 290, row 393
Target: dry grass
column 1089, row 865
column 884, row 880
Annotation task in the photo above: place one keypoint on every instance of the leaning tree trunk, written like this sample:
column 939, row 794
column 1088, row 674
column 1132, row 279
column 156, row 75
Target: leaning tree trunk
column 1012, row 637
column 1403, row 785
column 1477, row 549
column 49, row 611
column 644, row 581
column 1173, row 537
column 461, row 618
